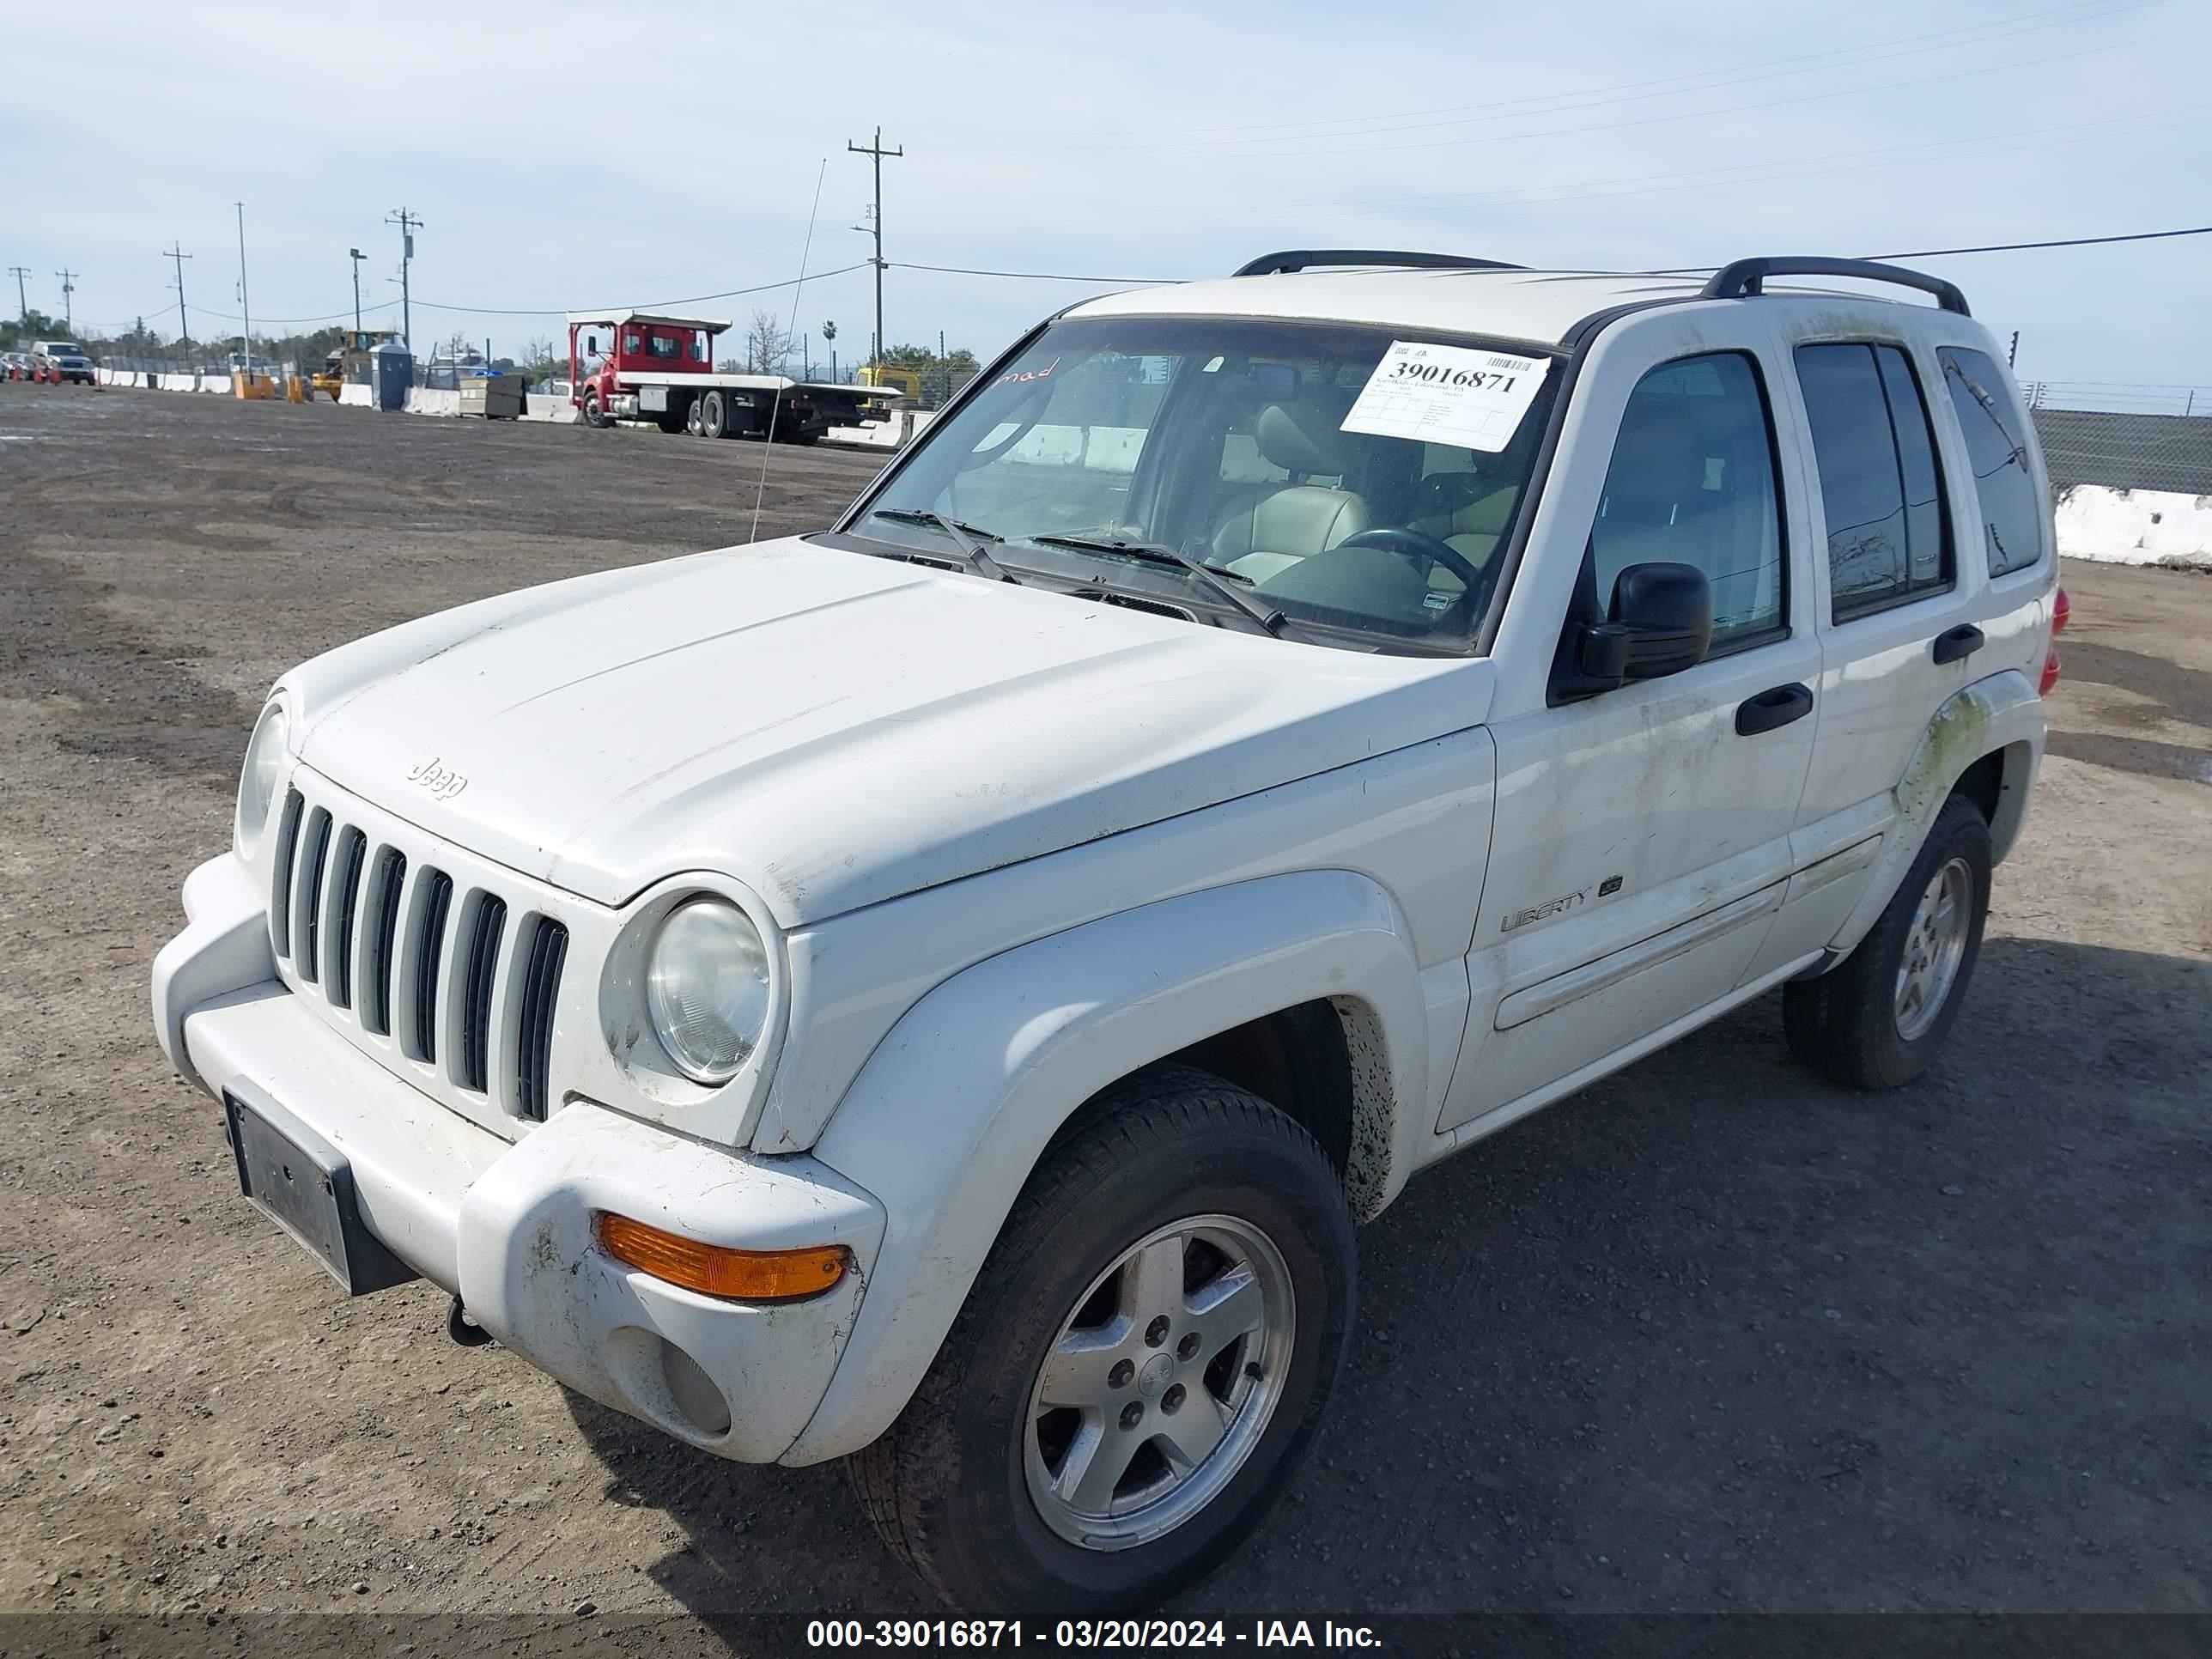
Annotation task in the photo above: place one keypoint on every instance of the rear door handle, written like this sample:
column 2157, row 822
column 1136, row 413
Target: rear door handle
column 1961, row 641
column 1769, row 709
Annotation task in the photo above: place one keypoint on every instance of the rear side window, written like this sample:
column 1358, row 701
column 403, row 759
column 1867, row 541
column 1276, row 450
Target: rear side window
column 1692, row 483
column 1887, row 539
column 2010, row 510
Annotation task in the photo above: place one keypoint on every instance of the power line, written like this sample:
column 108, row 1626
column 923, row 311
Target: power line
column 1674, row 271
column 2064, row 241
column 1034, row 276
column 652, row 305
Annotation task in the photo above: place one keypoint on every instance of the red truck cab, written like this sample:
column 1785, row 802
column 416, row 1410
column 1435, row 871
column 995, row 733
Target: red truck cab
column 630, row 365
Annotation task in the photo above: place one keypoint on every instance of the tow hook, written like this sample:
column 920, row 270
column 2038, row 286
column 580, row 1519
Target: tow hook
column 463, row 1330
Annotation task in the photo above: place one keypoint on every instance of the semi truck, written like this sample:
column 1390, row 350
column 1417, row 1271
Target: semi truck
column 636, row 366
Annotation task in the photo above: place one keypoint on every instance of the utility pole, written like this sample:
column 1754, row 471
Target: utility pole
column 357, row 256
column 409, row 224
column 877, row 152
column 184, row 329
column 69, row 311
column 245, row 305
column 22, row 305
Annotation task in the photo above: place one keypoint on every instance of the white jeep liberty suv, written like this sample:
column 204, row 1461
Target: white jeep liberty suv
column 940, row 991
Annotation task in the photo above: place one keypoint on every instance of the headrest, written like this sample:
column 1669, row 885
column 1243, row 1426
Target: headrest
column 1304, row 436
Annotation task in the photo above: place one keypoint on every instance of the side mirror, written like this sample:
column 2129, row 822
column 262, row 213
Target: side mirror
column 591, row 345
column 1662, row 623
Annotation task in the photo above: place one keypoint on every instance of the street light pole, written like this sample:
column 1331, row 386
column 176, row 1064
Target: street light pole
column 357, row 256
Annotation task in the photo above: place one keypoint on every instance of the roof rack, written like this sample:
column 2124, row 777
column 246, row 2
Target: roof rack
column 1269, row 264
column 1743, row 277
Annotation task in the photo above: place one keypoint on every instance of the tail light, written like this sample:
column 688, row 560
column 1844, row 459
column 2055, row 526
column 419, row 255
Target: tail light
column 2062, row 612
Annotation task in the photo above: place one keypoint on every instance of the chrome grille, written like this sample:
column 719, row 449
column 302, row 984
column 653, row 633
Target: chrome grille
column 449, row 979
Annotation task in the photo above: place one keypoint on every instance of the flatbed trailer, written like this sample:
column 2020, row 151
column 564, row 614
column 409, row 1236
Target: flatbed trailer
column 660, row 369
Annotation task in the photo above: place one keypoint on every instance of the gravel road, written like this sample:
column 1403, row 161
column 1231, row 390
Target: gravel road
column 1712, row 1336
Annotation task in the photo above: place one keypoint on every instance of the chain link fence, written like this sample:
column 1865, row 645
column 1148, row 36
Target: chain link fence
column 2125, row 436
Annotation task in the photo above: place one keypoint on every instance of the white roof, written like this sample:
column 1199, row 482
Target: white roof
column 1541, row 306
column 617, row 318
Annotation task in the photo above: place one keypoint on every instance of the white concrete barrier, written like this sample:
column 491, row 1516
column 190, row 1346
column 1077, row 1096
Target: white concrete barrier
column 894, row 433
column 548, row 406
column 2135, row 526
column 177, row 382
column 424, row 400
column 357, row 397
column 218, row 384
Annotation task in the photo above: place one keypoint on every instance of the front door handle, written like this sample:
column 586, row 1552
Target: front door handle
column 1769, row 709
column 1961, row 641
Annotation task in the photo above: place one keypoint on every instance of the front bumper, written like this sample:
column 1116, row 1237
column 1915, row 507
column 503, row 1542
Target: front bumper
column 507, row 1225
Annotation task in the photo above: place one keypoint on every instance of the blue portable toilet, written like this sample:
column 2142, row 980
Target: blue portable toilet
column 391, row 372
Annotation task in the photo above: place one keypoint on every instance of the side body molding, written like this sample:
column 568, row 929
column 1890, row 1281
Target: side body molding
column 2002, row 715
column 944, row 1123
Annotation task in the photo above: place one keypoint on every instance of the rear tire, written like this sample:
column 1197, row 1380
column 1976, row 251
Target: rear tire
column 714, row 415
column 1877, row 1021
column 1184, row 1440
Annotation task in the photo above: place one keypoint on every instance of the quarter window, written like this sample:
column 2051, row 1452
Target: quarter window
column 1996, row 446
column 1887, row 539
column 1692, row 483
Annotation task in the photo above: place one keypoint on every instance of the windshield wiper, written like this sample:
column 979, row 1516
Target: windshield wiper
column 967, row 538
column 1156, row 553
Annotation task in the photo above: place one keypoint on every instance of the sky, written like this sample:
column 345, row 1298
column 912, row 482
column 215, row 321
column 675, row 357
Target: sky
column 568, row 155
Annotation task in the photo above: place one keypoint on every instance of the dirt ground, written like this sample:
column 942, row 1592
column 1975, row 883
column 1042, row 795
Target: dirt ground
column 1713, row 1336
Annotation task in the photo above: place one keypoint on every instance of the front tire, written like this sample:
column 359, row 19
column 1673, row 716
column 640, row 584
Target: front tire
column 593, row 415
column 1877, row 1021
column 1143, row 1361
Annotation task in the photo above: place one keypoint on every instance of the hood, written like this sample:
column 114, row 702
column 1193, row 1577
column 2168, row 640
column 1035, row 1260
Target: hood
column 829, row 728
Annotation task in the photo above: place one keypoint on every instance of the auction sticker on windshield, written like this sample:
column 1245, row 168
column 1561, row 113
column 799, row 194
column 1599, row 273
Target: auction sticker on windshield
column 1444, row 394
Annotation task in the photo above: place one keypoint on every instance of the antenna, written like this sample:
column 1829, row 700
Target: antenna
column 245, row 305
column 775, row 403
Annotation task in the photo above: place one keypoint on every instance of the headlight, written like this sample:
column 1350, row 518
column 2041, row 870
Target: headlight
column 706, row 988
column 256, row 783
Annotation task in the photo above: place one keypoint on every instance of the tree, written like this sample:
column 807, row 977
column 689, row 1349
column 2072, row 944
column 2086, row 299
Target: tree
column 540, row 360
column 767, row 343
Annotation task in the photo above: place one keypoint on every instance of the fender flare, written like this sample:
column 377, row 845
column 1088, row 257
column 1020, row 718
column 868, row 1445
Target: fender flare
column 2002, row 714
column 953, row 1109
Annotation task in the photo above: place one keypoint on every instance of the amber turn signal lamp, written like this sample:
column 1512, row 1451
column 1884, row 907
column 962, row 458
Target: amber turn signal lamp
column 716, row 1270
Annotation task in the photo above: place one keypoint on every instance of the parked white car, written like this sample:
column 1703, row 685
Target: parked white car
column 940, row 991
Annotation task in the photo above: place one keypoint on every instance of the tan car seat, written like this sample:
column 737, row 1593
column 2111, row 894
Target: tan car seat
column 1272, row 530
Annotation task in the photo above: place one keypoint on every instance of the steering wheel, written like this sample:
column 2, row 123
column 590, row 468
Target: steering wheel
column 1417, row 544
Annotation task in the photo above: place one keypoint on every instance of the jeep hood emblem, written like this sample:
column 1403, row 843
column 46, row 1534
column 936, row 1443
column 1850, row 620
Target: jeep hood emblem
column 442, row 782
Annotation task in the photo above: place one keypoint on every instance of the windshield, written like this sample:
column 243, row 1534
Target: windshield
column 1255, row 448
column 64, row 349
